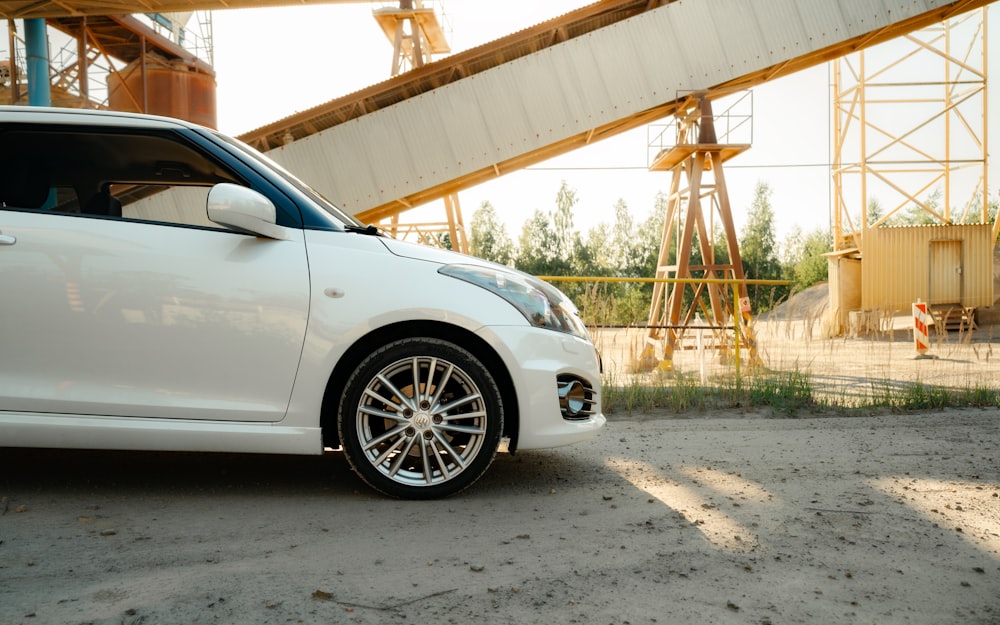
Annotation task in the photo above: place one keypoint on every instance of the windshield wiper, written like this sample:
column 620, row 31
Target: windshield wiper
column 369, row 229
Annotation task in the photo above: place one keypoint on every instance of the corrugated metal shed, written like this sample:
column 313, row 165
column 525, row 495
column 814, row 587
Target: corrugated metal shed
column 938, row 264
column 481, row 125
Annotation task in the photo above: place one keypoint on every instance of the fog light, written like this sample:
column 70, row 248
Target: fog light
column 572, row 399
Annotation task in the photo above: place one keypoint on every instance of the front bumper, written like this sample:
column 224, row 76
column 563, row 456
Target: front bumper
column 540, row 362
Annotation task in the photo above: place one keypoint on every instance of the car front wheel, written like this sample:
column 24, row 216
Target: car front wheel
column 420, row 418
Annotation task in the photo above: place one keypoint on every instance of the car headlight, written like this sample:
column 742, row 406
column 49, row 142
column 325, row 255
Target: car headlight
column 542, row 304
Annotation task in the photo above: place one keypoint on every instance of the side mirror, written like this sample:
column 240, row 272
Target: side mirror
column 243, row 210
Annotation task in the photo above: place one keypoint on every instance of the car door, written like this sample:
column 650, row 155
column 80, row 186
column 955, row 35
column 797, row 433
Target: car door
column 132, row 317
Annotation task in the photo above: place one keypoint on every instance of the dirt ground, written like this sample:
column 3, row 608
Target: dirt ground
column 668, row 518
column 714, row 519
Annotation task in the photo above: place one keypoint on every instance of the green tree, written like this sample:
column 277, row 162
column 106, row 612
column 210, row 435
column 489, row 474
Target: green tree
column 488, row 238
column 636, row 253
column 596, row 252
column 973, row 215
column 537, row 248
column 917, row 215
column 759, row 251
column 612, row 251
column 803, row 259
column 649, row 237
column 791, row 247
column 562, row 221
column 875, row 211
column 721, row 248
column 812, row 266
column 624, row 253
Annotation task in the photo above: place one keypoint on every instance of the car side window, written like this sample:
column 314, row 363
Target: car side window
column 129, row 174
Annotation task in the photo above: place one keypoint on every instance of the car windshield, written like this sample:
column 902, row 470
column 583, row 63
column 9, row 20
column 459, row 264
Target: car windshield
column 314, row 195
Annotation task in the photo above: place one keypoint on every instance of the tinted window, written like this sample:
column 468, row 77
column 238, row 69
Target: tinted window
column 109, row 173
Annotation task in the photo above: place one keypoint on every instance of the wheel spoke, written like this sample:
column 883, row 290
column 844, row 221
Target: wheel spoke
column 458, row 403
column 442, row 385
column 452, row 453
column 474, row 430
column 463, row 416
column 382, row 414
column 403, row 397
column 401, row 458
column 388, row 452
column 378, row 440
column 421, row 390
column 425, row 462
column 369, row 392
column 440, row 461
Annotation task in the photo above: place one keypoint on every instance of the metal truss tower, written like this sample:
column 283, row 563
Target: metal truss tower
column 910, row 121
column 413, row 28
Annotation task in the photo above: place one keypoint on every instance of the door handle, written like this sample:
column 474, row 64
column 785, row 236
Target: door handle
column 6, row 239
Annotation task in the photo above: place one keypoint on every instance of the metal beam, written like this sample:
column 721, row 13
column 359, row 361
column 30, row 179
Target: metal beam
column 19, row 9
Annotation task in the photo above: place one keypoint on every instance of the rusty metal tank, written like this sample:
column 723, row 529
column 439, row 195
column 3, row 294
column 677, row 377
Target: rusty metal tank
column 172, row 88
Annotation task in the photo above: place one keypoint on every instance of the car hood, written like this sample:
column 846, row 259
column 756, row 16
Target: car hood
column 416, row 251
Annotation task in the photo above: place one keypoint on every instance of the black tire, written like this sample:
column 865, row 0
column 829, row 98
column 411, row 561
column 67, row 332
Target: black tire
column 420, row 418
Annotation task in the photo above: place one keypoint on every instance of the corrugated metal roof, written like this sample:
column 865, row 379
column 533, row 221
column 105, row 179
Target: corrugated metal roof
column 455, row 67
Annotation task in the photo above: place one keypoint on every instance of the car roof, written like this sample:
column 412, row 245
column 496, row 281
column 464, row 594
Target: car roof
column 55, row 115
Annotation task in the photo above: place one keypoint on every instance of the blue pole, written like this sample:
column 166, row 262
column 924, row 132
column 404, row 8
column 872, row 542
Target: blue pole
column 37, row 48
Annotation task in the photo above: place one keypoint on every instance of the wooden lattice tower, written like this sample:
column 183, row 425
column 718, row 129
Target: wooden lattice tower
column 697, row 210
column 416, row 34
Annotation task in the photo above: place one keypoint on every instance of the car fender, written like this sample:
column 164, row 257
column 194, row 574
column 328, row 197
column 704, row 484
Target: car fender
column 346, row 305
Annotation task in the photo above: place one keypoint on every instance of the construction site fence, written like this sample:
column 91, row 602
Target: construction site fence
column 732, row 283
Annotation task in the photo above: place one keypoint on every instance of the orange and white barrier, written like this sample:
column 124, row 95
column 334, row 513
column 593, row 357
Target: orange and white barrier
column 921, row 319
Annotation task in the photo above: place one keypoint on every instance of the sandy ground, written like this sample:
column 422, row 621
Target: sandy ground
column 714, row 519
column 690, row 518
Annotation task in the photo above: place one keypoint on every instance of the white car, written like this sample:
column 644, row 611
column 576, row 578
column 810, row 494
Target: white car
column 164, row 287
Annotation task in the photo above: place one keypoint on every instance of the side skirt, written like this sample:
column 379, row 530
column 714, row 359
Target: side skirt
column 124, row 433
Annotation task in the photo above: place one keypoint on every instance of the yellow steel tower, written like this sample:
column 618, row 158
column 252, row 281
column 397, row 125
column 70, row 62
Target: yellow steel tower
column 910, row 129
